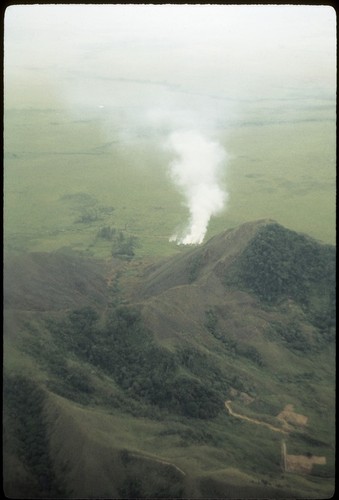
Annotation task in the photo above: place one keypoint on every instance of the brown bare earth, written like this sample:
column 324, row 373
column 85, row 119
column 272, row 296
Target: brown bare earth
column 300, row 464
column 303, row 464
column 289, row 417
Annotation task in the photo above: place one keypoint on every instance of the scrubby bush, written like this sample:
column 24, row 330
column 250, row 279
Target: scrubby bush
column 107, row 233
column 124, row 246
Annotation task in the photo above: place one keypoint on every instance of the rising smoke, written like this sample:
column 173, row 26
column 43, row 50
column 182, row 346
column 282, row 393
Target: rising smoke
column 196, row 170
column 110, row 63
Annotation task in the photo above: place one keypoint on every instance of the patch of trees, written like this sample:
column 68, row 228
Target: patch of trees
column 125, row 350
column 24, row 402
column 322, row 310
column 147, row 479
column 249, row 352
column 194, row 266
column 291, row 335
column 86, row 207
column 72, row 381
column 195, row 434
column 123, row 245
column 67, row 378
column 233, row 347
column 280, row 263
column 193, row 399
column 202, row 366
column 87, row 217
column 92, row 214
column 211, row 321
column 107, row 233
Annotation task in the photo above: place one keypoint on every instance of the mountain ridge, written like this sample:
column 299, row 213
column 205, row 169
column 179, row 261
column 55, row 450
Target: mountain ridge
column 191, row 260
column 135, row 363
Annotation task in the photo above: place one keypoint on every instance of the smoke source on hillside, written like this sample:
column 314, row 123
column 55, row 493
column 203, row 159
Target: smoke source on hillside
column 196, row 170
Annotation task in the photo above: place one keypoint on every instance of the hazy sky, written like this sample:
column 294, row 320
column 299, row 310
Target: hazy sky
column 226, row 51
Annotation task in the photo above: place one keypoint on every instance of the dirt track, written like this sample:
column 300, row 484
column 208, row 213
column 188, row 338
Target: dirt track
column 300, row 464
column 252, row 420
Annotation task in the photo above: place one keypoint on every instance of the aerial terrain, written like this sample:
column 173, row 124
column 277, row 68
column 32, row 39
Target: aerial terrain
column 189, row 377
column 169, row 262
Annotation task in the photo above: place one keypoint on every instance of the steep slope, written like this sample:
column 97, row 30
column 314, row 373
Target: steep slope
column 259, row 302
column 52, row 281
column 257, row 270
column 188, row 267
column 211, row 372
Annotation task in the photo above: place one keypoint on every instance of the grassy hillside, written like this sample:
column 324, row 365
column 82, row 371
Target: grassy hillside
column 183, row 370
column 52, row 281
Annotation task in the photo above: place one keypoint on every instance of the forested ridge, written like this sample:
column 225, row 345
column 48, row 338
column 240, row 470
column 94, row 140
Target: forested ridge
column 279, row 264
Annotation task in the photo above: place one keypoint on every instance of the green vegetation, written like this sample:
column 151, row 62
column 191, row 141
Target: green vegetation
column 125, row 350
column 281, row 264
column 24, row 402
column 62, row 178
column 233, row 348
column 109, row 383
column 140, row 481
column 194, row 266
column 107, row 233
column 291, row 335
column 124, row 246
column 140, row 380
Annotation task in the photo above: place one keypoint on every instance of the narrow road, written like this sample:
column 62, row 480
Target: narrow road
column 252, row 420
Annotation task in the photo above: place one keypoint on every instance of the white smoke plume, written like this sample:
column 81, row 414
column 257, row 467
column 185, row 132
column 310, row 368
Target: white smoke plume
column 196, row 170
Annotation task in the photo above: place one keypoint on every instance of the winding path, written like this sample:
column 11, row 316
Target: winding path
column 252, row 420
